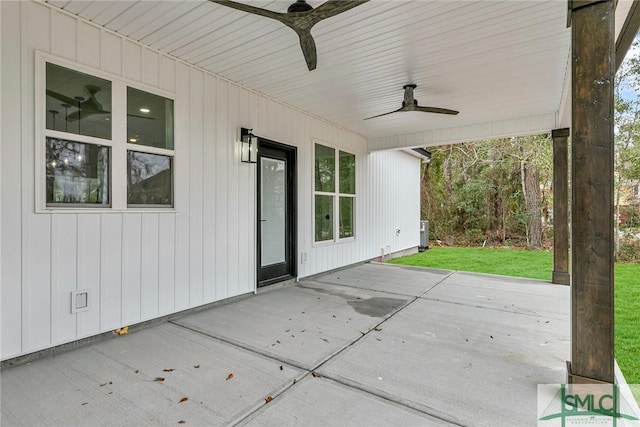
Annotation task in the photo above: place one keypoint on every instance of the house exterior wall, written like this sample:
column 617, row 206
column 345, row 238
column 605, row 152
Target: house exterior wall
column 142, row 265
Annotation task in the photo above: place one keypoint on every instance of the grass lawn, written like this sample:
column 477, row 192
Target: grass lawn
column 539, row 265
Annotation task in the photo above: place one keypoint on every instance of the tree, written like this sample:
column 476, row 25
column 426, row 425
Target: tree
column 486, row 191
column 627, row 132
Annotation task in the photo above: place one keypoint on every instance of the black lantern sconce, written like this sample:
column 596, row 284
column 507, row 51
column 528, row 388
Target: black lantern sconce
column 249, row 152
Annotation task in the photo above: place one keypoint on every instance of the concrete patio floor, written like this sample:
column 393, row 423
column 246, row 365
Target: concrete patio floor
column 363, row 346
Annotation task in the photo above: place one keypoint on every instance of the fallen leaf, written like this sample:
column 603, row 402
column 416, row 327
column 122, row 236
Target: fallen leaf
column 268, row 399
column 184, row 399
column 159, row 379
column 278, row 341
column 363, row 333
column 181, row 422
column 122, row 331
column 314, row 375
column 295, row 381
column 168, row 370
column 377, row 329
column 196, row 366
column 281, row 368
column 230, row 376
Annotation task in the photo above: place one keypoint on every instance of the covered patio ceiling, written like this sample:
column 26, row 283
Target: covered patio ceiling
column 502, row 64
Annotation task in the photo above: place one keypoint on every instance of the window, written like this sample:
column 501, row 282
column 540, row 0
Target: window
column 89, row 162
column 335, row 191
column 77, row 173
column 150, row 153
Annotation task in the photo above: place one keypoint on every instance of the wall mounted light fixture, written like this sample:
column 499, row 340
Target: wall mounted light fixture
column 249, row 153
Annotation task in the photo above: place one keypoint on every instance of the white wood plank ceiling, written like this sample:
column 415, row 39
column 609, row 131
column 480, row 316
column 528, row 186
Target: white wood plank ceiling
column 490, row 60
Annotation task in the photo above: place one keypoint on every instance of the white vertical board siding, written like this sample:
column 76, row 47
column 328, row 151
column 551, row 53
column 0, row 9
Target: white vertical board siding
column 196, row 167
column 139, row 265
column 11, row 253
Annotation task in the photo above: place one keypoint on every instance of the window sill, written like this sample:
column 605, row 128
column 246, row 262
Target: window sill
column 333, row 242
column 76, row 210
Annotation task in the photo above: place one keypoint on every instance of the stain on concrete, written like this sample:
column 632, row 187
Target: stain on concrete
column 376, row 306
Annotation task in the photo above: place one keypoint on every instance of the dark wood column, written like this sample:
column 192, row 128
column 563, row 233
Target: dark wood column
column 593, row 64
column 560, row 207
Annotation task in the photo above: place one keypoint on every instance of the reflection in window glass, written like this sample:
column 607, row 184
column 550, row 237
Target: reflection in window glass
column 77, row 173
column 149, row 179
column 149, row 119
column 325, row 168
column 78, row 103
column 346, row 217
column 324, row 218
column 347, row 173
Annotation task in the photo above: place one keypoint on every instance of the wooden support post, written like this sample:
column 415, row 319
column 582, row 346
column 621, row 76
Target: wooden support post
column 593, row 64
column 560, row 207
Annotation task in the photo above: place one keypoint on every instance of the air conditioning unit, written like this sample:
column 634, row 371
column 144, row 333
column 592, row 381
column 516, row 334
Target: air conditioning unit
column 424, row 236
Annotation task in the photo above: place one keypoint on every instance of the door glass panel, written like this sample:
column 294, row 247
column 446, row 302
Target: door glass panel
column 273, row 210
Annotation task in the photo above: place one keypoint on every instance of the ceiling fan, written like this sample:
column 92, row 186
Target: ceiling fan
column 300, row 17
column 411, row 104
column 86, row 106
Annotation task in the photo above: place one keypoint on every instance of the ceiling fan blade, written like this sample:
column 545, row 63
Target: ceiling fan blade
column 386, row 114
column 332, row 8
column 77, row 115
column 141, row 117
column 62, row 98
column 250, row 9
column 435, row 110
column 308, row 46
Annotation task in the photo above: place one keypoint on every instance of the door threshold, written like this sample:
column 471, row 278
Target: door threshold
column 276, row 283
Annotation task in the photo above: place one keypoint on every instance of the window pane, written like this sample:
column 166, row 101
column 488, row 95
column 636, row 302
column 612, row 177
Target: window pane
column 325, row 168
column 149, row 179
column 346, row 217
column 347, row 173
column 149, row 119
column 78, row 103
column 324, row 218
column 77, row 173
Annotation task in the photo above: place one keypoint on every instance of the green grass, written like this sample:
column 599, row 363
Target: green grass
column 627, row 308
column 508, row 262
column 539, row 265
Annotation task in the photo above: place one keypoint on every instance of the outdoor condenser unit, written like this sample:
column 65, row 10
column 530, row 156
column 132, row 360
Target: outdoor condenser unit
column 424, row 236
